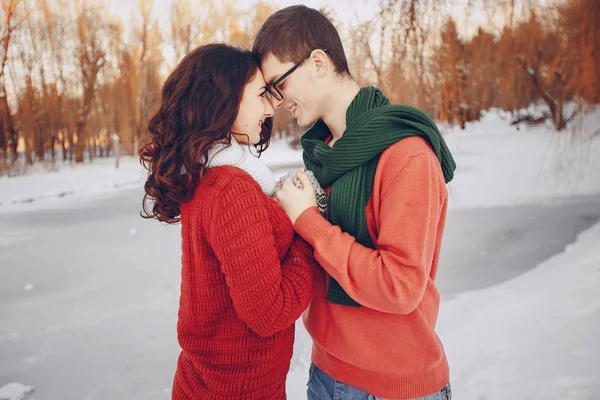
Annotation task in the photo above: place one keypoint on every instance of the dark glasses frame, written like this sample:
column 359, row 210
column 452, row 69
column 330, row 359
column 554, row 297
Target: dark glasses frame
column 271, row 89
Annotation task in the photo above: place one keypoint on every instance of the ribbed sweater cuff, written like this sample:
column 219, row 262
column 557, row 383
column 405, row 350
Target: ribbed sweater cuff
column 311, row 225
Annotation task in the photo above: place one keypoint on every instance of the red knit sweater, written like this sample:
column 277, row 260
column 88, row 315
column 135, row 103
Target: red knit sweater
column 245, row 280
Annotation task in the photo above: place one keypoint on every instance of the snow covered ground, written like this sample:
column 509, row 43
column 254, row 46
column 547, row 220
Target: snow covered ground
column 96, row 178
column 101, row 178
column 534, row 335
column 498, row 165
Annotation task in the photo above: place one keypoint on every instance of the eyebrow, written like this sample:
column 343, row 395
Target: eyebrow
column 275, row 78
column 270, row 81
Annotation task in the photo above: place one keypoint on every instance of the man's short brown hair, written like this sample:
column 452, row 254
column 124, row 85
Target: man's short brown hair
column 293, row 32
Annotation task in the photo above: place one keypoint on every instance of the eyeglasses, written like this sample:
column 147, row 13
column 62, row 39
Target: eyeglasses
column 271, row 90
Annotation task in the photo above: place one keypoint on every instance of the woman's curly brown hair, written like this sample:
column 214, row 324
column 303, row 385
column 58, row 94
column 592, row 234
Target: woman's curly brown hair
column 200, row 101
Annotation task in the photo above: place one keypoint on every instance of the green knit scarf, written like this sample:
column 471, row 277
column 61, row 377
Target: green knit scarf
column 372, row 125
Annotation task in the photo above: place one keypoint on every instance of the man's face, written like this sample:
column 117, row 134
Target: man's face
column 299, row 89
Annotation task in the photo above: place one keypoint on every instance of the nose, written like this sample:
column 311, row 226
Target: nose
column 269, row 110
column 276, row 103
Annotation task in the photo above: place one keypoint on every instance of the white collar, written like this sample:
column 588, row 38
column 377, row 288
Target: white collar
column 240, row 156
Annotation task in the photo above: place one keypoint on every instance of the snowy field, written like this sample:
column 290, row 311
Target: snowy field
column 498, row 165
column 100, row 178
column 533, row 335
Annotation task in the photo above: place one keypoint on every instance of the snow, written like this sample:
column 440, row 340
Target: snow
column 532, row 336
column 14, row 391
column 101, row 178
column 499, row 165
column 535, row 336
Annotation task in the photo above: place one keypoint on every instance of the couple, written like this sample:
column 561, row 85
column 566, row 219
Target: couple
column 256, row 256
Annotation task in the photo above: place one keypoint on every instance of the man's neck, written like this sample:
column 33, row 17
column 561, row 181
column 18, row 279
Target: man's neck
column 337, row 104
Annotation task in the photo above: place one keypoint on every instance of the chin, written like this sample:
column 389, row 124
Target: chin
column 306, row 120
column 304, row 123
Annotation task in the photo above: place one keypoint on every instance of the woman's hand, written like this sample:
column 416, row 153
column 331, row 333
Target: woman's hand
column 295, row 200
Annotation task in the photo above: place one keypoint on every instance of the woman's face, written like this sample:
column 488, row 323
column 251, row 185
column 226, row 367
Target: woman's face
column 254, row 109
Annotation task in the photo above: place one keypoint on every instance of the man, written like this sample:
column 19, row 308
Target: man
column 385, row 168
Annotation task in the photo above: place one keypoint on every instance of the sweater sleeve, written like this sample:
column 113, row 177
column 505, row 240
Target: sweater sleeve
column 392, row 277
column 269, row 295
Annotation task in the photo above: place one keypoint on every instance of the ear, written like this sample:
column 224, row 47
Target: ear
column 321, row 62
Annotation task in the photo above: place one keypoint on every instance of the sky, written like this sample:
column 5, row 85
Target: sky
column 344, row 12
column 347, row 12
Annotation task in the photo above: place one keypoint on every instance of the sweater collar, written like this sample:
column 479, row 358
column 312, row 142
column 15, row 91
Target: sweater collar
column 238, row 155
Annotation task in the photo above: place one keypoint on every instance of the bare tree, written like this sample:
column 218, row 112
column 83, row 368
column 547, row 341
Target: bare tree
column 55, row 35
column 544, row 56
column 30, row 48
column 579, row 21
column 75, row 81
column 8, row 133
column 91, row 55
column 191, row 25
column 452, row 69
column 394, row 45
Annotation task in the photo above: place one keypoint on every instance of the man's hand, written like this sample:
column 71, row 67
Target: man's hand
column 294, row 200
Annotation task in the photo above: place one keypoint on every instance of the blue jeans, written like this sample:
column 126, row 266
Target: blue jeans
column 323, row 387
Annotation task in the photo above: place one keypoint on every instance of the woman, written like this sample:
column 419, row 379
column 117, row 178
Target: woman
column 245, row 277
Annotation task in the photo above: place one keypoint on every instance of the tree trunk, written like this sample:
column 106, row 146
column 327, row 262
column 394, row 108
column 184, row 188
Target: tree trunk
column 7, row 125
column 462, row 117
column 92, row 148
column 39, row 145
column 558, row 118
column 80, row 146
column 63, row 145
column 28, row 153
column 53, row 147
column 555, row 106
column 3, row 140
column 136, row 145
column 71, row 141
column 117, row 150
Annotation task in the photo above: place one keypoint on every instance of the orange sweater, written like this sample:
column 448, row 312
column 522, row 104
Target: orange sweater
column 388, row 347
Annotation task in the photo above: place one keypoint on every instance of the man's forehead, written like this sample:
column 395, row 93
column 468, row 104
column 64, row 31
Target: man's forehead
column 272, row 68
